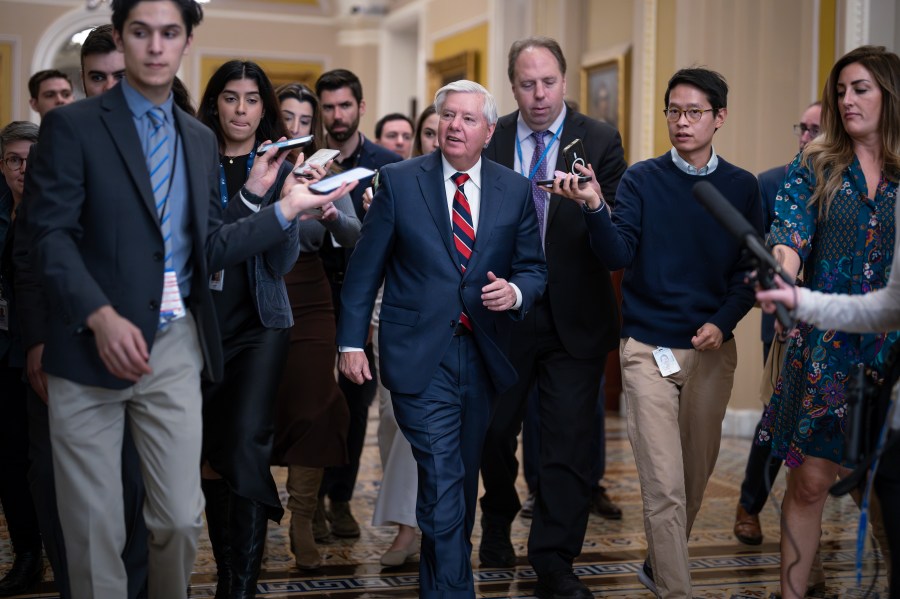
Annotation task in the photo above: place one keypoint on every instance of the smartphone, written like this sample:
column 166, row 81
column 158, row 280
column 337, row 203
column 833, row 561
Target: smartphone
column 331, row 183
column 574, row 154
column 317, row 159
column 287, row 144
column 549, row 182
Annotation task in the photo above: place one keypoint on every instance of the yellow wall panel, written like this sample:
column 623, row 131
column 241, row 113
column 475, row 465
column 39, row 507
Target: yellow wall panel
column 6, row 82
column 475, row 39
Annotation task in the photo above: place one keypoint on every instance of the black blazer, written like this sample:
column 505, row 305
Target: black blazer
column 579, row 288
column 94, row 226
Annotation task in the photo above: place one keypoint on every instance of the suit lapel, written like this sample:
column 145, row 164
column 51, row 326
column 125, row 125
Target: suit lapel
column 119, row 122
column 491, row 201
column 505, row 153
column 198, row 185
column 431, row 184
column 572, row 130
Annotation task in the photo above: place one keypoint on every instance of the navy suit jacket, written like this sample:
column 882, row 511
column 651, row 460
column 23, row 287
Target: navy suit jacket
column 406, row 241
column 770, row 183
column 579, row 288
column 93, row 222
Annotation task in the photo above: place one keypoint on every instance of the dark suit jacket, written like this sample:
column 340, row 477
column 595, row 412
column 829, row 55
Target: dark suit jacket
column 96, row 231
column 769, row 185
column 406, row 241
column 579, row 289
column 374, row 157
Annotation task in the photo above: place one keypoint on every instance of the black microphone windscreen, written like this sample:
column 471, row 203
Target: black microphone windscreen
column 722, row 210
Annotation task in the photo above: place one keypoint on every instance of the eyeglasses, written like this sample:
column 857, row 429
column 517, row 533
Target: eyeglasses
column 693, row 114
column 800, row 129
column 14, row 163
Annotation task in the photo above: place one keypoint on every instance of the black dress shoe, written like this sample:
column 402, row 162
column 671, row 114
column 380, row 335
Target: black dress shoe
column 603, row 506
column 496, row 550
column 561, row 585
column 27, row 571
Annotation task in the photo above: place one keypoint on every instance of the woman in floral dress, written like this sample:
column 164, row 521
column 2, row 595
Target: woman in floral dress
column 835, row 220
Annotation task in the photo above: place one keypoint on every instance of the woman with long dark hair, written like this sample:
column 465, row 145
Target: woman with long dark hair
column 254, row 316
column 835, row 219
column 311, row 413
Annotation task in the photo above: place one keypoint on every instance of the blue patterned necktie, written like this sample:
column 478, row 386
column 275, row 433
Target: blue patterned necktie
column 463, row 230
column 159, row 164
column 537, row 193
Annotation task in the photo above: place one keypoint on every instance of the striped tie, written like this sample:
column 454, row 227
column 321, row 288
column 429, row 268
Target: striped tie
column 160, row 166
column 539, row 168
column 463, row 231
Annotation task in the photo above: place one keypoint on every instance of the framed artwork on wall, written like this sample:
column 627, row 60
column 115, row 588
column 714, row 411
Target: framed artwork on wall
column 453, row 68
column 604, row 91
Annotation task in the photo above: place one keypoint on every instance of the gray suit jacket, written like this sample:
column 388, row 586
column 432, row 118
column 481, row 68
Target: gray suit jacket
column 95, row 229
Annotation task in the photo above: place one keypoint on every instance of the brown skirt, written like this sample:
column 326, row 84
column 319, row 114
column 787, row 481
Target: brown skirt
column 311, row 414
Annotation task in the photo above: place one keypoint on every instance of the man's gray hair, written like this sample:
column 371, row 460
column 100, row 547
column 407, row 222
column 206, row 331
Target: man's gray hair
column 464, row 86
column 18, row 131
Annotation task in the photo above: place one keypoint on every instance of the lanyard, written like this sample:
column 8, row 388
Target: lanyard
column 541, row 159
column 223, row 189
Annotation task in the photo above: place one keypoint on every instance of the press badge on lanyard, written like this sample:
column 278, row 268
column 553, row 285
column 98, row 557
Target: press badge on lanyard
column 665, row 361
column 217, row 279
column 172, row 307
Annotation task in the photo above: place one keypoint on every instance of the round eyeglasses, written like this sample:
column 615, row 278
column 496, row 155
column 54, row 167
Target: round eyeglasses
column 14, row 163
column 693, row 114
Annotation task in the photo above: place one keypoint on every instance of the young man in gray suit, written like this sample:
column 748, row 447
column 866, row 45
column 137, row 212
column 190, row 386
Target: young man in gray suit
column 128, row 223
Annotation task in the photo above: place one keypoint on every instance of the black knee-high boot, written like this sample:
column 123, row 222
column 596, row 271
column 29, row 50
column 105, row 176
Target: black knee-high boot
column 218, row 524
column 248, row 540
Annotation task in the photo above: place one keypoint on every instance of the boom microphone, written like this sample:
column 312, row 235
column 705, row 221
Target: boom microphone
column 735, row 223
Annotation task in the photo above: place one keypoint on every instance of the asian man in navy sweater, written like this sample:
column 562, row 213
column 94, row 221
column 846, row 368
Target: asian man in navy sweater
column 683, row 294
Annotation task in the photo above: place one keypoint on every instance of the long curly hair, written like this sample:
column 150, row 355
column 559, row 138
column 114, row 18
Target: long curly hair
column 830, row 154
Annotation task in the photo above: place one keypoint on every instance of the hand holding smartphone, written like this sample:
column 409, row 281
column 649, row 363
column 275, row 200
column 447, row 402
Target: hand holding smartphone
column 287, row 144
column 549, row 182
column 320, row 158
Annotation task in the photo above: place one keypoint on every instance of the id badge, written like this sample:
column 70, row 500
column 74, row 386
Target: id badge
column 217, row 281
column 4, row 315
column 665, row 361
column 172, row 307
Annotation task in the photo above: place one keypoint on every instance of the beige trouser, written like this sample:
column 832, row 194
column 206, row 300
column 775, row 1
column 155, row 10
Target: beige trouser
column 675, row 425
column 86, row 428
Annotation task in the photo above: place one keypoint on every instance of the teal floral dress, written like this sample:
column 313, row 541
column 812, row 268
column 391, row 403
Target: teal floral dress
column 850, row 251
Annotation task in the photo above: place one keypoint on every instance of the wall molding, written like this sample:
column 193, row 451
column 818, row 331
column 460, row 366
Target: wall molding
column 196, row 59
column 14, row 93
column 358, row 37
column 856, row 24
column 643, row 86
column 62, row 29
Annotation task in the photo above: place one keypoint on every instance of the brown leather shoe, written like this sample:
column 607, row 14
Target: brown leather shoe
column 603, row 506
column 746, row 527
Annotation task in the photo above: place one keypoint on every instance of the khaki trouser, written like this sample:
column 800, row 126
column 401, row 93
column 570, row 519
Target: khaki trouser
column 674, row 425
column 86, row 426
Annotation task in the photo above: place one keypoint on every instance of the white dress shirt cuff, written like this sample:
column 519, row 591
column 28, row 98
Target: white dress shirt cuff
column 518, row 291
column 344, row 349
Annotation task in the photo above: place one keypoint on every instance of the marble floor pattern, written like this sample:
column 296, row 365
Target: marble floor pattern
column 613, row 550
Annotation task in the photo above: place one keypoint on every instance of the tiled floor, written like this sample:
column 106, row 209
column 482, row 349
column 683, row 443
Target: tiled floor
column 613, row 550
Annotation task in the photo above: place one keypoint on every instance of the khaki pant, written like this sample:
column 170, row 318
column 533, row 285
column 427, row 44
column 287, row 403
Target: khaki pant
column 86, row 428
column 675, row 426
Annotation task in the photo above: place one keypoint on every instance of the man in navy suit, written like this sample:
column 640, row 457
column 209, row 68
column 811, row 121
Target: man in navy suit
column 454, row 238
column 125, row 240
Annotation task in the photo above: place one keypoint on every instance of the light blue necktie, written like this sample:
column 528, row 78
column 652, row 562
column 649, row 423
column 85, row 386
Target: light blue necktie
column 159, row 164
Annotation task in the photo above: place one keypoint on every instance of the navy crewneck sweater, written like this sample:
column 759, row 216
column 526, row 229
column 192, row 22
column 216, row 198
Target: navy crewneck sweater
column 682, row 269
